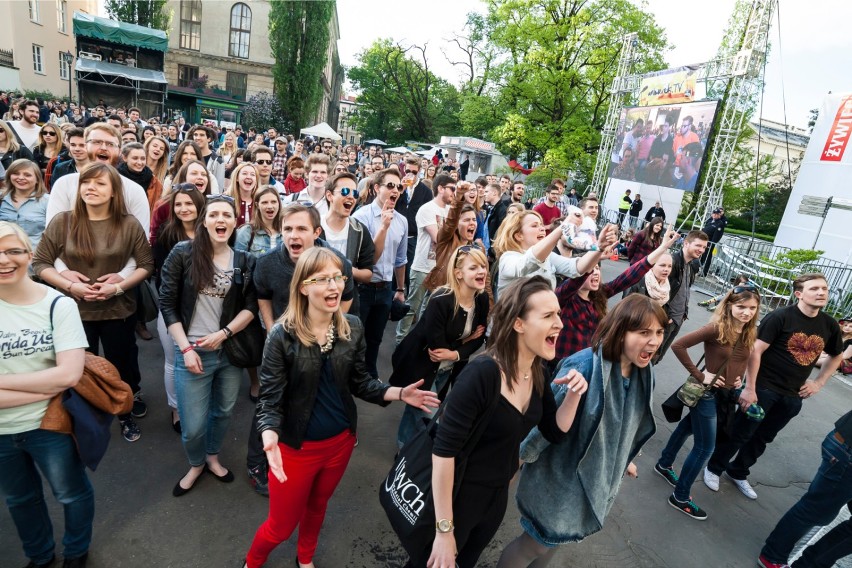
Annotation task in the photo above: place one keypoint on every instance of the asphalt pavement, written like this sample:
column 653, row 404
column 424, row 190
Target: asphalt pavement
column 138, row 524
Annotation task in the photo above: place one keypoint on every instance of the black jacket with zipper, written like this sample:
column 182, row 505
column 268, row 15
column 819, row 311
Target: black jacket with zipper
column 178, row 294
column 290, row 376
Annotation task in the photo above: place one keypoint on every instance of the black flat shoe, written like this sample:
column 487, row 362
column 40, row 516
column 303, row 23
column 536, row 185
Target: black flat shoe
column 179, row 491
column 176, row 425
column 252, row 398
column 227, row 478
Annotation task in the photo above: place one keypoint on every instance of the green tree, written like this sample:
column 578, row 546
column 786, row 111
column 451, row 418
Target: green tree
column 557, row 62
column 153, row 14
column 299, row 39
column 263, row 111
column 400, row 98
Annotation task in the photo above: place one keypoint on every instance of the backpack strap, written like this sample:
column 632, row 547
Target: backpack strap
column 52, row 307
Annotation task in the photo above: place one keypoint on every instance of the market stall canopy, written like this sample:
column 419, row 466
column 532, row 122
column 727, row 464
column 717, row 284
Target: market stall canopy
column 322, row 130
column 426, row 153
column 398, row 150
column 87, row 25
column 117, row 70
column 376, row 142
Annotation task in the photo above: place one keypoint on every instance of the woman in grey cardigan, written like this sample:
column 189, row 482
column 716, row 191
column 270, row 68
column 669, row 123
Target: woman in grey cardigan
column 566, row 490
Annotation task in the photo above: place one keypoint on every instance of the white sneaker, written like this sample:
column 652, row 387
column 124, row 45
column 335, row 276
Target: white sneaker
column 711, row 480
column 744, row 486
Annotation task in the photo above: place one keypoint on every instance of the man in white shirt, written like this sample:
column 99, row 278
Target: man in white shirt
column 429, row 219
column 27, row 128
column 316, row 170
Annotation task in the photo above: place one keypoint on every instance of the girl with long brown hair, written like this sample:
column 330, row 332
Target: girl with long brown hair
column 186, row 152
column 50, row 144
column 646, row 240
column 313, row 364
column 728, row 342
column 501, row 396
column 192, row 172
column 207, row 296
column 157, row 156
column 263, row 232
column 97, row 238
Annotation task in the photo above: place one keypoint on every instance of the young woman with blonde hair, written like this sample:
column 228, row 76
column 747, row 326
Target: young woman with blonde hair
column 24, row 200
column 728, row 342
column 157, row 156
column 244, row 183
column 525, row 248
column 10, row 148
column 313, row 364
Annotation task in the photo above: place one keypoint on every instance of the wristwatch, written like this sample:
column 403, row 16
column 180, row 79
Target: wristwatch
column 444, row 526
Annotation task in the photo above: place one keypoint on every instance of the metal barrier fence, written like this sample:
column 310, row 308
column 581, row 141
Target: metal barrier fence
column 757, row 260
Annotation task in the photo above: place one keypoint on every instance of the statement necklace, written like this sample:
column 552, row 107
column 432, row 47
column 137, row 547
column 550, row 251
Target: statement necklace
column 329, row 339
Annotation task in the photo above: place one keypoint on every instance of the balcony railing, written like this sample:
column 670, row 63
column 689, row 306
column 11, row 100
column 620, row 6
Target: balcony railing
column 7, row 58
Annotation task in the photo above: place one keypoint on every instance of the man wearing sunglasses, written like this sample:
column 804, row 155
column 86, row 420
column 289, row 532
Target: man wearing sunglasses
column 346, row 235
column 389, row 230
column 261, row 156
column 429, row 219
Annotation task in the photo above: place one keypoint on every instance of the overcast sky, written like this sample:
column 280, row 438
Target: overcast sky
column 815, row 44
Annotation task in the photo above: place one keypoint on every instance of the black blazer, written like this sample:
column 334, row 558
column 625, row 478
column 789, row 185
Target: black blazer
column 495, row 218
column 438, row 328
column 419, row 196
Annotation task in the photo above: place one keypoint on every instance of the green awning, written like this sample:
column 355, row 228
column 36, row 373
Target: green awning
column 218, row 104
column 87, row 25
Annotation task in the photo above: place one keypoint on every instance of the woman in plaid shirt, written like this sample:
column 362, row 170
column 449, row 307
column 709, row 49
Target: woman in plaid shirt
column 584, row 300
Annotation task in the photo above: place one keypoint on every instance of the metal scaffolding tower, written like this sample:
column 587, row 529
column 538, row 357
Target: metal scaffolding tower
column 735, row 77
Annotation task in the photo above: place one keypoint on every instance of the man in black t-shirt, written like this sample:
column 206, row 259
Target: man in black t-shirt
column 789, row 342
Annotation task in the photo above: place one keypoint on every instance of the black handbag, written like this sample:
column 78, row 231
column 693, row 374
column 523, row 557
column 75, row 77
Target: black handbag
column 245, row 348
column 150, row 300
column 406, row 492
column 674, row 405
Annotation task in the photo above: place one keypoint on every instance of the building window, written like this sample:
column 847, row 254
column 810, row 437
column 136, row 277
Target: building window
column 190, row 24
column 237, row 84
column 38, row 60
column 61, row 13
column 186, row 75
column 34, row 10
column 240, row 31
column 64, row 67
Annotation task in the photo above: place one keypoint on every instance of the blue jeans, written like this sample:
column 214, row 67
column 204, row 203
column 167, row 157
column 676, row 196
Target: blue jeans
column 701, row 424
column 830, row 490
column 205, row 403
column 55, row 456
column 375, row 309
column 412, row 418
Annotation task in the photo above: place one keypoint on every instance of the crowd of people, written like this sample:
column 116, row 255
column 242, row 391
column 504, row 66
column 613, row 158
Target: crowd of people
column 288, row 257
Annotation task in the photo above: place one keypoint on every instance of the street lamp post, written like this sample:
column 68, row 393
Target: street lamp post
column 69, row 58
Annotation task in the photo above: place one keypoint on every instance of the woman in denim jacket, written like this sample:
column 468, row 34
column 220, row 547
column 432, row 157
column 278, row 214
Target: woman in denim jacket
column 263, row 232
column 566, row 490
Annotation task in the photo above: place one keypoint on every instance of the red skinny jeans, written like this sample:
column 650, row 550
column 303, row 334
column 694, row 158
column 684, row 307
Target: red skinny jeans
column 313, row 474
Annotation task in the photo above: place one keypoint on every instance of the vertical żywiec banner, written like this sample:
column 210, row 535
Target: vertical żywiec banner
column 825, row 172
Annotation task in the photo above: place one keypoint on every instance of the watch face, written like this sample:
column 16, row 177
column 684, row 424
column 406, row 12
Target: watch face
column 444, row 525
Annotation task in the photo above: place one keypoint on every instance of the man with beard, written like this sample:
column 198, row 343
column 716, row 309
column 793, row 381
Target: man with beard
column 27, row 128
column 389, row 230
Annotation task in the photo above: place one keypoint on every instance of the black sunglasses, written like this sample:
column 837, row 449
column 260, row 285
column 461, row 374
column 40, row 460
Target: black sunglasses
column 345, row 191
column 392, row 185
column 185, row 187
column 263, row 162
column 220, row 197
column 744, row 288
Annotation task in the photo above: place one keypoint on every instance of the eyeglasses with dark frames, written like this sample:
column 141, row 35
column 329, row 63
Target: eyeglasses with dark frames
column 336, row 279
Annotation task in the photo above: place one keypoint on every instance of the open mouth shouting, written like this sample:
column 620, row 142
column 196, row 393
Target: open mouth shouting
column 103, row 156
column 645, row 357
column 550, row 344
column 221, row 231
column 332, row 300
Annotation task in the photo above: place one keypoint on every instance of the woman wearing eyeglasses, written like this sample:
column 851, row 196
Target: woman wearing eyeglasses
column 49, row 145
column 313, row 364
column 186, row 204
column 244, row 183
column 43, row 355
column 193, row 172
column 451, row 329
column 207, row 296
column 97, row 237
column 24, row 200
column 728, row 342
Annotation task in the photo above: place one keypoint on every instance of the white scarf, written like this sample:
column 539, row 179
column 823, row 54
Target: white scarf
column 656, row 291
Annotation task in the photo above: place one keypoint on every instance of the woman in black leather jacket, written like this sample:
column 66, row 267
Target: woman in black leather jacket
column 207, row 297
column 313, row 363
